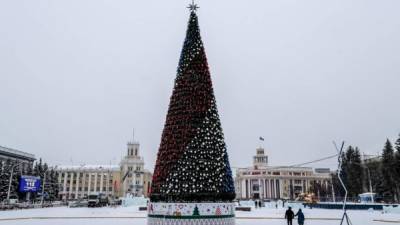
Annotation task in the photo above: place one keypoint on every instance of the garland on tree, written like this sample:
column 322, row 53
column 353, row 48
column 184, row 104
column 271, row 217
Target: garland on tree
column 192, row 162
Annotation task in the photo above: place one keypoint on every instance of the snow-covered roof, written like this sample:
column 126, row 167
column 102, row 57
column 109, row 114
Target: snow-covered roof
column 89, row 167
column 16, row 153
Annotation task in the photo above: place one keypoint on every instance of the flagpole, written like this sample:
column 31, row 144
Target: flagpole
column 261, row 141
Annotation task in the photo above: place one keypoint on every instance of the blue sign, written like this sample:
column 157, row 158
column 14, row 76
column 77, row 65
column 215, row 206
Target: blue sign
column 29, row 184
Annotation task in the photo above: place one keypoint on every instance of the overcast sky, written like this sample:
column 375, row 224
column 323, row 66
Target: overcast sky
column 77, row 76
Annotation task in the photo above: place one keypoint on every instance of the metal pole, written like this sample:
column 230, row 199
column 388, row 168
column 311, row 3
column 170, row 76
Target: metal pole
column 44, row 182
column 333, row 193
column 340, row 161
column 370, row 185
column 9, row 184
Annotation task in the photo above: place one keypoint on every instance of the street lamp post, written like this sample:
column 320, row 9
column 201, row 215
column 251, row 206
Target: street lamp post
column 370, row 185
column 369, row 179
column 9, row 184
column 44, row 182
column 10, row 180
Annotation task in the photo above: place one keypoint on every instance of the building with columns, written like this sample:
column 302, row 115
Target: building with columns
column 129, row 177
column 262, row 181
column 77, row 182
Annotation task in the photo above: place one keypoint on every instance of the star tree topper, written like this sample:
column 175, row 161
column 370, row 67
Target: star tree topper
column 193, row 7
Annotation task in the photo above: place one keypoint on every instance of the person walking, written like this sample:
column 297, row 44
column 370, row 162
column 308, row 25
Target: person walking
column 256, row 204
column 259, row 204
column 300, row 217
column 289, row 215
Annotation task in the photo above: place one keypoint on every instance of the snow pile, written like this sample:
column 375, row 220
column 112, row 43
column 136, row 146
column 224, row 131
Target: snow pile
column 391, row 209
column 249, row 203
column 134, row 201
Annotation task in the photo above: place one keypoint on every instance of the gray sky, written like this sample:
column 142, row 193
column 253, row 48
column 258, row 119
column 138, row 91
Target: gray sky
column 77, row 76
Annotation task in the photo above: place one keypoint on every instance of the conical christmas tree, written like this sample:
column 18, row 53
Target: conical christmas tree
column 192, row 162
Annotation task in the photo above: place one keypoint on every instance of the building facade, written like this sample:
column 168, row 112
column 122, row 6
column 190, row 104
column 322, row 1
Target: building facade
column 135, row 179
column 23, row 159
column 262, row 181
column 77, row 182
column 127, row 178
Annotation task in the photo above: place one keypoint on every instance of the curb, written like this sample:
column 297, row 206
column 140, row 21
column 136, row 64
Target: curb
column 144, row 217
column 388, row 221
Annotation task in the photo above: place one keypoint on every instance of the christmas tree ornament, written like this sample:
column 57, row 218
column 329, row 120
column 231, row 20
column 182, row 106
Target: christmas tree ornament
column 192, row 168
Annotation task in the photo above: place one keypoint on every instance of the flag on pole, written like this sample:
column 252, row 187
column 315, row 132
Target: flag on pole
column 261, row 138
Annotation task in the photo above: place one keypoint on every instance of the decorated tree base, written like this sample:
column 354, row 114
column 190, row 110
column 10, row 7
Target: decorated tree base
column 215, row 213
column 197, row 221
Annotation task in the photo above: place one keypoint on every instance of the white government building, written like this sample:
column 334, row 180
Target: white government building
column 276, row 182
column 135, row 179
column 129, row 177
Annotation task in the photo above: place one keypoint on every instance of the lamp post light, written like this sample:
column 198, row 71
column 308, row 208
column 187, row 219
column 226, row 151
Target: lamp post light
column 44, row 182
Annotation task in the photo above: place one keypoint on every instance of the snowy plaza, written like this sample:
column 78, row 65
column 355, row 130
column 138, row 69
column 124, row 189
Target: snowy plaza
column 312, row 84
column 132, row 216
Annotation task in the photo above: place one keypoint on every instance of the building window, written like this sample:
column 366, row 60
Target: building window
column 256, row 187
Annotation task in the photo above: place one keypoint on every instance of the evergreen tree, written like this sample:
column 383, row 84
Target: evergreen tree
column 17, row 172
column 4, row 178
column 192, row 162
column 376, row 177
column 54, row 182
column 388, row 171
column 38, row 168
column 357, row 173
column 47, row 182
column 196, row 211
column 397, row 167
column 352, row 172
column 337, row 186
column 51, row 187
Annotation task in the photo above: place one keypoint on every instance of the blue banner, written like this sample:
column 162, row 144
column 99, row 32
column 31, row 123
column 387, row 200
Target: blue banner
column 29, row 184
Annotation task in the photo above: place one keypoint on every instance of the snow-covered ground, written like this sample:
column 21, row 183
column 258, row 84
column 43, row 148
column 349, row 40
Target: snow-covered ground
column 132, row 216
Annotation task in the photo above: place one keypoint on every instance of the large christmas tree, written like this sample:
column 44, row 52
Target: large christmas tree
column 192, row 162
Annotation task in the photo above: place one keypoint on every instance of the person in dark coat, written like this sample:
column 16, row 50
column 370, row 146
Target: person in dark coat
column 289, row 215
column 259, row 204
column 256, row 204
column 300, row 217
